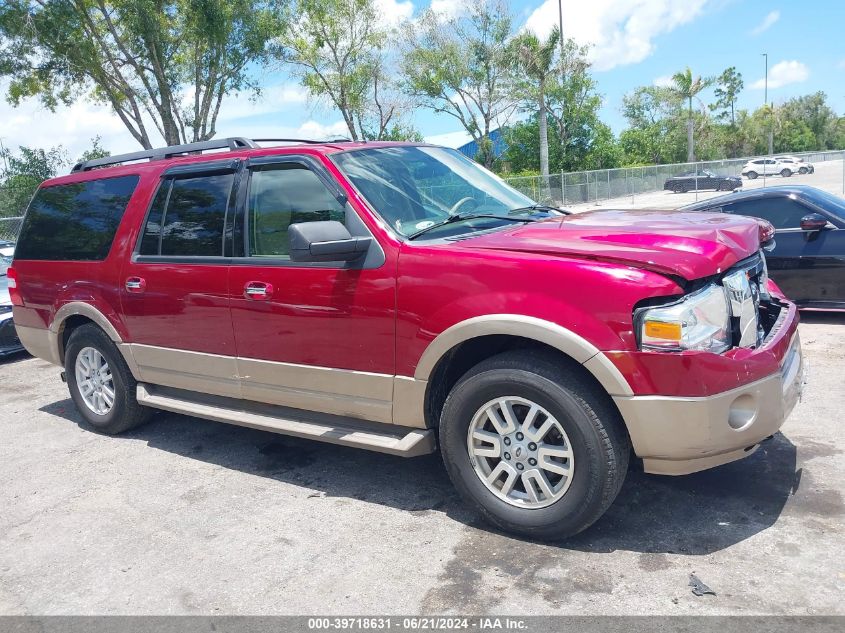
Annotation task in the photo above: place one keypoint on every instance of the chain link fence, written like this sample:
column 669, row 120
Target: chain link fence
column 13, row 203
column 581, row 187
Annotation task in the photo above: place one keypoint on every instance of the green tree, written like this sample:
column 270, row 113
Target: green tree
column 23, row 171
column 536, row 61
column 653, row 134
column 170, row 62
column 338, row 49
column 729, row 85
column 463, row 67
column 813, row 112
column 687, row 87
column 95, row 151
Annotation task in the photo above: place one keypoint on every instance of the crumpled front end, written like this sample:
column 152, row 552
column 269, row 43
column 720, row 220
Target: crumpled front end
column 697, row 409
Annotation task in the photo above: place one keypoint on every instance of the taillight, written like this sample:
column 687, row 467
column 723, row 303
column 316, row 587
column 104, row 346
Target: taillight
column 14, row 292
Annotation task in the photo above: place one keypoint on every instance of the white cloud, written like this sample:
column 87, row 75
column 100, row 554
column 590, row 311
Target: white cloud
column 447, row 9
column 782, row 74
column 73, row 127
column 620, row 33
column 664, row 81
column 393, row 12
column 767, row 23
column 241, row 105
column 449, row 139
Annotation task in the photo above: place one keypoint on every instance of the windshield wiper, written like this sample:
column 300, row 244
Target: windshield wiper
column 460, row 217
column 534, row 207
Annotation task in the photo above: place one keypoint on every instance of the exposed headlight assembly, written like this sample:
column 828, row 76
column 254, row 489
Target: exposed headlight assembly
column 699, row 321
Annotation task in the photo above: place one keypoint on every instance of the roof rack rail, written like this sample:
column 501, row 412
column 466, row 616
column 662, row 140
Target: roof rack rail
column 307, row 141
column 170, row 151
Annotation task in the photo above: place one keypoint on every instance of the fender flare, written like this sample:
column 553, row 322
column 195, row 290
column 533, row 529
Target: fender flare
column 75, row 308
column 547, row 332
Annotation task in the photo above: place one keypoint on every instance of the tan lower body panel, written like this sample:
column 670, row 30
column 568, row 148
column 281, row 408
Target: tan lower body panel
column 336, row 391
column 180, row 369
column 37, row 341
column 677, row 436
column 342, row 392
column 383, row 438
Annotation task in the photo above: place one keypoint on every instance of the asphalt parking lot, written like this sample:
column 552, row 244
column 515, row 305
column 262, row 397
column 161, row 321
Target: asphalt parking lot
column 184, row 516
column 829, row 175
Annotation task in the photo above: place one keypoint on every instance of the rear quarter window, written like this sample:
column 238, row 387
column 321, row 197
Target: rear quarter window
column 76, row 221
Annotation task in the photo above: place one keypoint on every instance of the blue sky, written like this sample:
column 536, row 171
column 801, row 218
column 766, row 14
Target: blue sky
column 634, row 43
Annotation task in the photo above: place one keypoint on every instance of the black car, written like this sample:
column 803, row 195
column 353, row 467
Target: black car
column 808, row 257
column 701, row 180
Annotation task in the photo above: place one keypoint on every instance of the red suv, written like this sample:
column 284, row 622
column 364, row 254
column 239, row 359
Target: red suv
column 399, row 297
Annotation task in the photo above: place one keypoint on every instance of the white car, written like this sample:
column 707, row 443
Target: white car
column 768, row 167
column 801, row 166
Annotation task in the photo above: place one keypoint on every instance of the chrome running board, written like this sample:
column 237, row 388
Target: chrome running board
column 383, row 438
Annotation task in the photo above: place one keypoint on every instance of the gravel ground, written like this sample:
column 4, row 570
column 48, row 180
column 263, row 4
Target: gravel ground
column 184, row 516
column 829, row 176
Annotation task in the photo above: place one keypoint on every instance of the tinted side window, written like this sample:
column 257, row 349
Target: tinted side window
column 187, row 217
column 75, row 222
column 783, row 213
column 281, row 195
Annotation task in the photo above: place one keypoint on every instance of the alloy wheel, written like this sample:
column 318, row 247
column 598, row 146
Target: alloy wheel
column 94, row 380
column 520, row 452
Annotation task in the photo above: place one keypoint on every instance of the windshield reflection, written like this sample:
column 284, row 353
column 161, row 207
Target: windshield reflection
column 416, row 187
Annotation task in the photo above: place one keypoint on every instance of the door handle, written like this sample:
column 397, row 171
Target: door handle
column 258, row 290
column 136, row 284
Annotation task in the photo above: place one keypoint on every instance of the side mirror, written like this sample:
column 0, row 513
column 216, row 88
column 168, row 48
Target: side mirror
column 813, row 222
column 327, row 241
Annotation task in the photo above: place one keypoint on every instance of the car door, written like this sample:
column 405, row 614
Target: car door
column 175, row 294
column 809, row 266
column 314, row 336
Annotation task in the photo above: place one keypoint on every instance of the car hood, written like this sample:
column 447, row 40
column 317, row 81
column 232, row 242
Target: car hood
column 675, row 243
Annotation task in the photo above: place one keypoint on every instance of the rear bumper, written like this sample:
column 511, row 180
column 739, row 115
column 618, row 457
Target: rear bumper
column 681, row 435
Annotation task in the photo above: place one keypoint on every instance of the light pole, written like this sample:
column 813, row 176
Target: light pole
column 766, row 80
column 560, row 26
column 562, row 83
column 771, row 132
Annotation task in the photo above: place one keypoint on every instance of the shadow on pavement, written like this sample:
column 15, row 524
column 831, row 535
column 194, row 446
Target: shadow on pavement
column 695, row 514
column 823, row 318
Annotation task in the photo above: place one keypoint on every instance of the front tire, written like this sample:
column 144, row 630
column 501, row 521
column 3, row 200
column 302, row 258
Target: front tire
column 534, row 444
column 100, row 383
column 803, row 170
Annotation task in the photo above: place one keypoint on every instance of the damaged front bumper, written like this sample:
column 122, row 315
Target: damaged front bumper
column 677, row 435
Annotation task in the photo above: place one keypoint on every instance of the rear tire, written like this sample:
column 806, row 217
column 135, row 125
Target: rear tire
column 598, row 445
column 752, row 175
column 100, row 383
column 785, row 173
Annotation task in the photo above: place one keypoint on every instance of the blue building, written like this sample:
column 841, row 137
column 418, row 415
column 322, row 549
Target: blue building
column 499, row 146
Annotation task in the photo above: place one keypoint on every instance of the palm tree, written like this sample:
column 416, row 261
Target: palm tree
column 687, row 87
column 536, row 60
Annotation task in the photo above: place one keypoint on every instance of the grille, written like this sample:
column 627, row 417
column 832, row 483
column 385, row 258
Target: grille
column 745, row 285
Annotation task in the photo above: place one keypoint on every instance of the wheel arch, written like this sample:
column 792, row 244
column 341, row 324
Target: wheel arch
column 467, row 343
column 71, row 316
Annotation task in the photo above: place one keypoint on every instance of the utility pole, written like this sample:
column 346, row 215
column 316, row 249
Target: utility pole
column 771, row 138
column 562, row 81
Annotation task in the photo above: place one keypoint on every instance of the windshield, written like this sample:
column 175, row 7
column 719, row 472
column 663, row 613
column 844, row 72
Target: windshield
column 415, row 187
